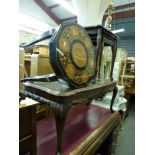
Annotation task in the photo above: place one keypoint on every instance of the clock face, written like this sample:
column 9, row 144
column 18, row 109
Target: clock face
column 79, row 55
column 73, row 52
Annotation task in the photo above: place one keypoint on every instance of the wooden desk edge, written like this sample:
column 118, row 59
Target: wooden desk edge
column 88, row 147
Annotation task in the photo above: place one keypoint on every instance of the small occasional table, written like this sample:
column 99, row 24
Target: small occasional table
column 61, row 98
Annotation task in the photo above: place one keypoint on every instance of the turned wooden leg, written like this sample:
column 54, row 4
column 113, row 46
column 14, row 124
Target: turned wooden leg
column 113, row 98
column 60, row 112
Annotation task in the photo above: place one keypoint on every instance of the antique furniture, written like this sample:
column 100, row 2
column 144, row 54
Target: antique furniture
column 61, row 98
column 119, row 66
column 42, row 50
column 42, row 110
column 67, row 87
column 21, row 68
column 122, row 58
column 33, row 64
column 36, row 64
column 128, row 77
column 27, row 130
column 102, row 38
column 100, row 129
column 88, row 130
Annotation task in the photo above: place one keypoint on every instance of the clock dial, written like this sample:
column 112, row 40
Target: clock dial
column 79, row 55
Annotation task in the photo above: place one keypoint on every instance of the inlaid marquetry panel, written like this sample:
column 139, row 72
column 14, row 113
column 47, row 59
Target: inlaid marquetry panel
column 74, row 54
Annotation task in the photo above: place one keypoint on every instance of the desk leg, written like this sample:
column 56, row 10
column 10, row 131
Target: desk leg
column 60, row 112
column 113, row 98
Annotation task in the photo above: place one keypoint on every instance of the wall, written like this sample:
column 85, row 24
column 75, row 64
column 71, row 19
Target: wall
column 128, row 44
column 126, row 39
column 25, row 36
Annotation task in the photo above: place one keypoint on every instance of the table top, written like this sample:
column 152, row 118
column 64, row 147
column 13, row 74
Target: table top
column 59, row 92
column 94, row 29
column 84, row 126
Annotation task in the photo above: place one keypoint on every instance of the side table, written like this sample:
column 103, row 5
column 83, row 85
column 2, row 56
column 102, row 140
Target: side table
column 61, row 98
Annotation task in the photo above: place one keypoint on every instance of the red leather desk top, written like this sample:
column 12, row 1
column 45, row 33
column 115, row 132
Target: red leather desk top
column 81, row 121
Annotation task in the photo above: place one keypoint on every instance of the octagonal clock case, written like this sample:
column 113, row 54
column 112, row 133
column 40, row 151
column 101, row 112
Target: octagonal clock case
column 72, row 55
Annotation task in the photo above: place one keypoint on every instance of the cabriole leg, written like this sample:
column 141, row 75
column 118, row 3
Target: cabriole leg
column 60, row 113
column 113, row 98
